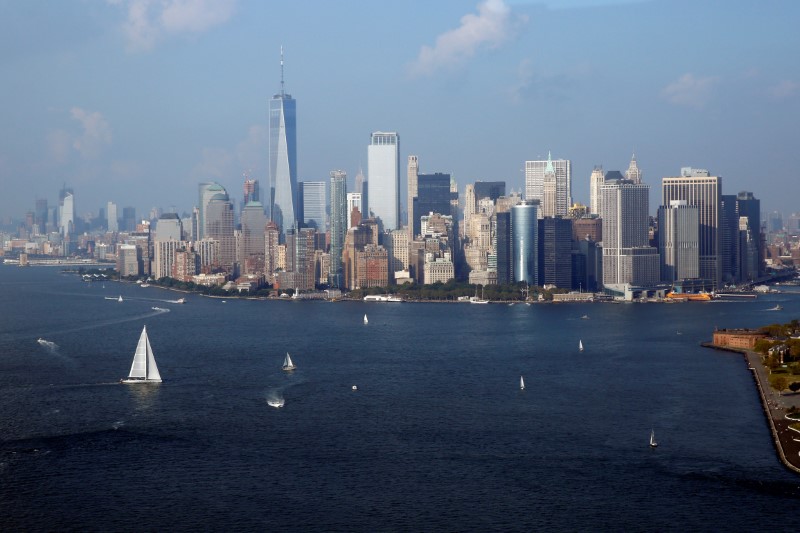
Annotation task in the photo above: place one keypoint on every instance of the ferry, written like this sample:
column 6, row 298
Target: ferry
column 690, row 297
column 382, row 298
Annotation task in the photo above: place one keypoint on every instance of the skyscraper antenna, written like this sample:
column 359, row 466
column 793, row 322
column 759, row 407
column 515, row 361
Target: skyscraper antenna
column 282, row 93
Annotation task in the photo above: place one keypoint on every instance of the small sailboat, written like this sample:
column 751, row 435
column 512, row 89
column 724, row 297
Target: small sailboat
column 143, row 369
column 653, row 442
column 287, row 363
column 580, row 345
column 521, row 383
column 366, row 320
column 120, row 298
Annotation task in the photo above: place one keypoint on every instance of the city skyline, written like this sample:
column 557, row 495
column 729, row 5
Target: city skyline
column 153, row 128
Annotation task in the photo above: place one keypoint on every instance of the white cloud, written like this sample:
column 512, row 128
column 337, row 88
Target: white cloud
column 784, row 89
column 490, row 27
column 150, row 20
column 690, row 91
column 96, row 132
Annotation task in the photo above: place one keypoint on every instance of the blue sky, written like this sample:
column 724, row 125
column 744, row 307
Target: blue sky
column 136, row 101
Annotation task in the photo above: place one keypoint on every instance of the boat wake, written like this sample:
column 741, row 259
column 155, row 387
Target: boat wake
column 50, row 346
column 275, row 399
column 160, row 309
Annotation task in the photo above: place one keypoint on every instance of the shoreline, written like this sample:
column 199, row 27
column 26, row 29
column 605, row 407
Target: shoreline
column 774, row 405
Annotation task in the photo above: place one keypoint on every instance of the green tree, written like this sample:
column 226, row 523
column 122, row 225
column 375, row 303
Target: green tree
column 780, row 383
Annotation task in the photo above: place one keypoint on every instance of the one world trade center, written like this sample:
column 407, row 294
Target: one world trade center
column 283, row 159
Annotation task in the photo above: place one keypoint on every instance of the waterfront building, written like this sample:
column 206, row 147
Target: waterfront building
column 703, row 191
column 207, row 251
column 397, row 249
column 438, row 269
column 184, row 266
column 339, row 228
column 253, row 242
column 383, row 170
column 412, row 175
column 112, row 225
column 164, row 257
column 678, row 246
column 628, row 258
column 535, row 180
column 128, row 258
column 354, row 209
column 312, row 205
column 219, row 226
column 555, row 252
column 283, row 158
column 355, row 241
column 271, row 243
column 524, row 243
column 372, row 267
column 503, row 246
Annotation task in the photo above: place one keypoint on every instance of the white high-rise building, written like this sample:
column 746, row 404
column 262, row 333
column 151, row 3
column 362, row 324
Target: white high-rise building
column 383, row 172
column 111, row 217
column 678, row 231
column 535, row 178
column 628, row 258
column 703, row 191
column 634, row 173
column 596, row 181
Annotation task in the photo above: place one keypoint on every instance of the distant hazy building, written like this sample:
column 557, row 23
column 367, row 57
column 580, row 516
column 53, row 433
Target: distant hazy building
column 383, row 170
column 634, row 173
column 128, row 260
column 524, row 243
column 354, row 204
column 339, row 218
column 678, row 246
column 251, row 192
column 252, row 249
column 111, row 217
column 313, row 204
column 128, row 219
column 698, row 189
column 219, row 226
column 169, row 228
column 535, row 181
column 66, row 212
column 283, row 158
column 412, row 174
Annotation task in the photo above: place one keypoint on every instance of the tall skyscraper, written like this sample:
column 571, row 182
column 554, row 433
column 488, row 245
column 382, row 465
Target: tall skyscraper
column 555, row 252
column 524, row 243
column 205, row 191
column 628, row 258
column 749, row 206
column 412, row 173
column 433, row 196
column 339, row 217
column 253, row 224
column 111, row 217
column 383, row 171
column 168, row 228
column 219, row 226
column 128, row 219
column 66, row 212
column 678, row 246
column 534, row 183
column 312, row 203
column 283, row 158
column 362, row 187
column 702, row 191
column 596, row 181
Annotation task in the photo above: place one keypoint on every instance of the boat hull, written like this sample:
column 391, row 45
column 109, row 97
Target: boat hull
column 130, row 381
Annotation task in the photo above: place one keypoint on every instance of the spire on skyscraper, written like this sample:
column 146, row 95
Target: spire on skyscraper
column 549, row 167
column 633, row 173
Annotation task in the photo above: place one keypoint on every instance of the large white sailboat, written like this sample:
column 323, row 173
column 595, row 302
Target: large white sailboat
column 287, row 363
column 366, row 320
column 143, row 369
column 653, row 442
column 521, row 383
column 580, row 345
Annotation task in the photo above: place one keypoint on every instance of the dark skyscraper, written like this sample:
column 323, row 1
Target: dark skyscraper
column 555, row 252
column 283, row 159
column 489, row 189
column 503, row 248
column 128, row 219
column 433, row 196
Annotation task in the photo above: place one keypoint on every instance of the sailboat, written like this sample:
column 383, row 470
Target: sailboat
column 120, row 298
column 521, row 383
column 366, row 320
column 143, row 369
column 580, row 345
column 287, row 363
column 653, row 442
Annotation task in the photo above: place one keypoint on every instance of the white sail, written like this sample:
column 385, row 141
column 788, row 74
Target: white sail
column 653, row 442
column 521, row 383
column 139, row 366
column 152, row 368
column 580, row 345
column 366, row 321
column 287, row 362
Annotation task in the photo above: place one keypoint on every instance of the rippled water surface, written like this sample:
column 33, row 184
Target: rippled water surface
column 437, row 437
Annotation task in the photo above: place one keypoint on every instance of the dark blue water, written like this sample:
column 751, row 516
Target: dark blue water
column 438, row 436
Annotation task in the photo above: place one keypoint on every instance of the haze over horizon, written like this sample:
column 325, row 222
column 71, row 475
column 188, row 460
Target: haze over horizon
column 136, row 101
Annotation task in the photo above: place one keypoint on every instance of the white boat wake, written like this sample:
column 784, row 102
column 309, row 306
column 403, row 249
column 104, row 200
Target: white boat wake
column 50, row 346
column 160, row 309
column 275, row 399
